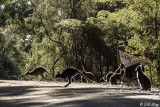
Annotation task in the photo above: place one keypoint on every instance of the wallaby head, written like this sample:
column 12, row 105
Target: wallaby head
column 138, row 68
column 28, row 73
column 29, row 70
column 58, row 75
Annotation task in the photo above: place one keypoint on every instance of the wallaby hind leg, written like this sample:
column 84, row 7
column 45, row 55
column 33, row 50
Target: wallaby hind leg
column 69, row 82
column 42, row 77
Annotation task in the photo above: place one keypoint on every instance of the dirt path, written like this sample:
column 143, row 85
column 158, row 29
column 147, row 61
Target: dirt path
column 52, row 94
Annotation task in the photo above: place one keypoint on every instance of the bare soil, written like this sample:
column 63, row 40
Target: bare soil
column 54, row 94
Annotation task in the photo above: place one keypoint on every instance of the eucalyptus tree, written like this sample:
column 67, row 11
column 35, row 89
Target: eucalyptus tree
column 145, row 39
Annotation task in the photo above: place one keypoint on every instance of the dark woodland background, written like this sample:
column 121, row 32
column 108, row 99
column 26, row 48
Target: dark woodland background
column 81, row 33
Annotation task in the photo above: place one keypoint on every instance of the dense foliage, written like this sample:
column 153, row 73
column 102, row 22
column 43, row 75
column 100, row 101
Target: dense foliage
column 80, row 33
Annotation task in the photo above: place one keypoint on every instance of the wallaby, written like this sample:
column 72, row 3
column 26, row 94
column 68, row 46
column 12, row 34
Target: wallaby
column 102, row 80
column 117, row 77
column 108, row 76
column 69, row 73
column 143, row 80
column 39, row 71
column 89, row 75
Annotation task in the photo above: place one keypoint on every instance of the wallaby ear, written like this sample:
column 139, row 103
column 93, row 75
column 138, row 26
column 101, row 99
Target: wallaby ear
column 27, row 72
column 136, row 69
column 140, row 65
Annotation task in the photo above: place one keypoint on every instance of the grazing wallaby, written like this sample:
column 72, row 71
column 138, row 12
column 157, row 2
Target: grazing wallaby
column 108, row 76
column 102, row 80
column 89, row 75
column 117, row 77
column 143, row 80
column 39, row 71
column 69, row 73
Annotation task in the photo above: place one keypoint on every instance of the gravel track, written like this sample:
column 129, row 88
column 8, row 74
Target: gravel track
column 54, row 94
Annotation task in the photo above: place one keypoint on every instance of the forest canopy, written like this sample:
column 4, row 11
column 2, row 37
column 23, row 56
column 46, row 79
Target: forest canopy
column 79, row 33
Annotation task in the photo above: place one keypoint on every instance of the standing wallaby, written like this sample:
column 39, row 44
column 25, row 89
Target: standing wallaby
column 39, row 71
column 143, row 80
column 108, row 76
column 69, row 73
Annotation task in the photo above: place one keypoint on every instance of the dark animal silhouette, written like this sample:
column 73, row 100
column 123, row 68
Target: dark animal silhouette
column 89, row 75
column 130, row 74
column 69, row 73
column 102, row 80
column 108, row 76
column 39, row 71
column 143, row 80
column 117, row 77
